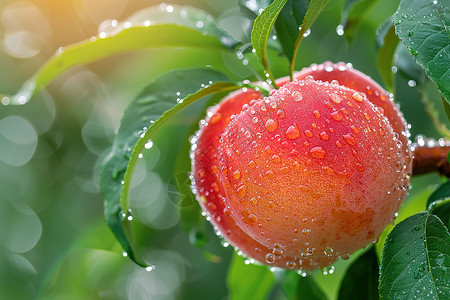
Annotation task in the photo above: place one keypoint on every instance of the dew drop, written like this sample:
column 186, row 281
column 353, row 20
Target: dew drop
column 270, row 258
column 280, row 114
column 335, row 98
column 340, row 29
column 316, row 114
column 324, row 136
column 297, row 96
column 271, row 125
column 308, row 133
column 337, row 116
column 237, row 174
column 292, row 132
column 318, row 152
column 358, row 97
column 348, row 138
column 306, row 231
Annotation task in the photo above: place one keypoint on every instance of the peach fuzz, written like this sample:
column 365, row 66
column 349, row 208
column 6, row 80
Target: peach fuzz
column 303, row 177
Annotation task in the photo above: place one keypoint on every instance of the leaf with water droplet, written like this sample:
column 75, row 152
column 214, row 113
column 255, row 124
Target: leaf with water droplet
column 430, row 41
column 352, row 15
column 167, row 30
column 387, row 43
column 262, row 28
column 440, row 198
column 288, row 25
column 400, row 274
column 247, row 281
column 161, row 108
column 361, row 278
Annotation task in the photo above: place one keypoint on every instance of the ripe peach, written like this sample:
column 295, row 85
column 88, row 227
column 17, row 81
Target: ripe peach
column 305, row 176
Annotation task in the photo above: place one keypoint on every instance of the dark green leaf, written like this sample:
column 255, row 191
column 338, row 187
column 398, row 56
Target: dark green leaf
column 248, row 281
column 142, row 119
column 352, row 15
column 415, row 263
column 261, row 32
column 442, row 210
column 407, row 66
column 361, row 279
column 446, row 107
column 423, row 28
column 297, row 287
column 387, row 43
column 288, row 25
column 314, row 9
column 151, row 28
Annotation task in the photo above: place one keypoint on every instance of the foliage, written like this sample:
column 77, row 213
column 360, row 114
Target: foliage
column 412, row 43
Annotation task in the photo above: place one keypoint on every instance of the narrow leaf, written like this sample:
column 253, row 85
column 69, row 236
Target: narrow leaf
column 423, row 26
column 288, row 25
column 145, row 30
column 297, row 287
column 352, row 15
column 387, row 43
column 432, row 101
column 416, row 260
column 314, row 9
column 361, row 279
column 142, row 119
column 248, row 281
column 261, row 32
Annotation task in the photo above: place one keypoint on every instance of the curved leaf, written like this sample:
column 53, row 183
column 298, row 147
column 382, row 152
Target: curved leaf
column 432, row 101
column 314, row 9
column 352, row 15
column 142, row 119
column 288, row 25
column 440, row 199
column 297, row 287
column 150, row 28
column 248, row 281
column 423, row 26
column 361, row 279
column 416, row 260
column 387, row 42
column 261, row 31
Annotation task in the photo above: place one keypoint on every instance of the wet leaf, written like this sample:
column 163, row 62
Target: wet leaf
column 361, row 279
column 142, row 119
column 248, row 281
column 440, row 198
column 387, row 44
column 314, row 9
column 150, row 28
column 288, row 25
column 261, row 31
column 422, row 26
column 297, row 287
column 416, row 259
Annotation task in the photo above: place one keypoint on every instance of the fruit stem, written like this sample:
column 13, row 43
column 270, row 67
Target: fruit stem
column 430, row 155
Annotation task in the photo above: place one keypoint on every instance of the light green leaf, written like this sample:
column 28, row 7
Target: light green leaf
column 150, row 28
column 142, row 119
column 261, row 32
column 423, row 27
column 248, row 281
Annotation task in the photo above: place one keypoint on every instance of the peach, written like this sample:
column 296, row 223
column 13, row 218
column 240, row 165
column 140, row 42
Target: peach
column 307, row 175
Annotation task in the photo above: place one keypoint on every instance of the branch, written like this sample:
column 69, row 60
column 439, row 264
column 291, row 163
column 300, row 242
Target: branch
column 430, row 155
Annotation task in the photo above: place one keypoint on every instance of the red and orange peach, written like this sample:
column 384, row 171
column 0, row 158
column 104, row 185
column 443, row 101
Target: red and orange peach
column 307, row 175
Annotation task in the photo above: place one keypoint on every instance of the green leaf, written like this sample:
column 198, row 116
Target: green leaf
column 288, row 25
column 361, row 279
column 198, row 31
column 440, row 199
column 387, row 44
column 423, row 27
column 416, row 260
column 248, row 281
column 432, row 101
column 142, row 119
column 352, row 15
column 261, row 31
column 297, row 287
column 314, row 9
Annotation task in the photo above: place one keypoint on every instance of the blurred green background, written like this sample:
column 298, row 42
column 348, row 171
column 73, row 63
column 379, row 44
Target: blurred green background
column 54, row 242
